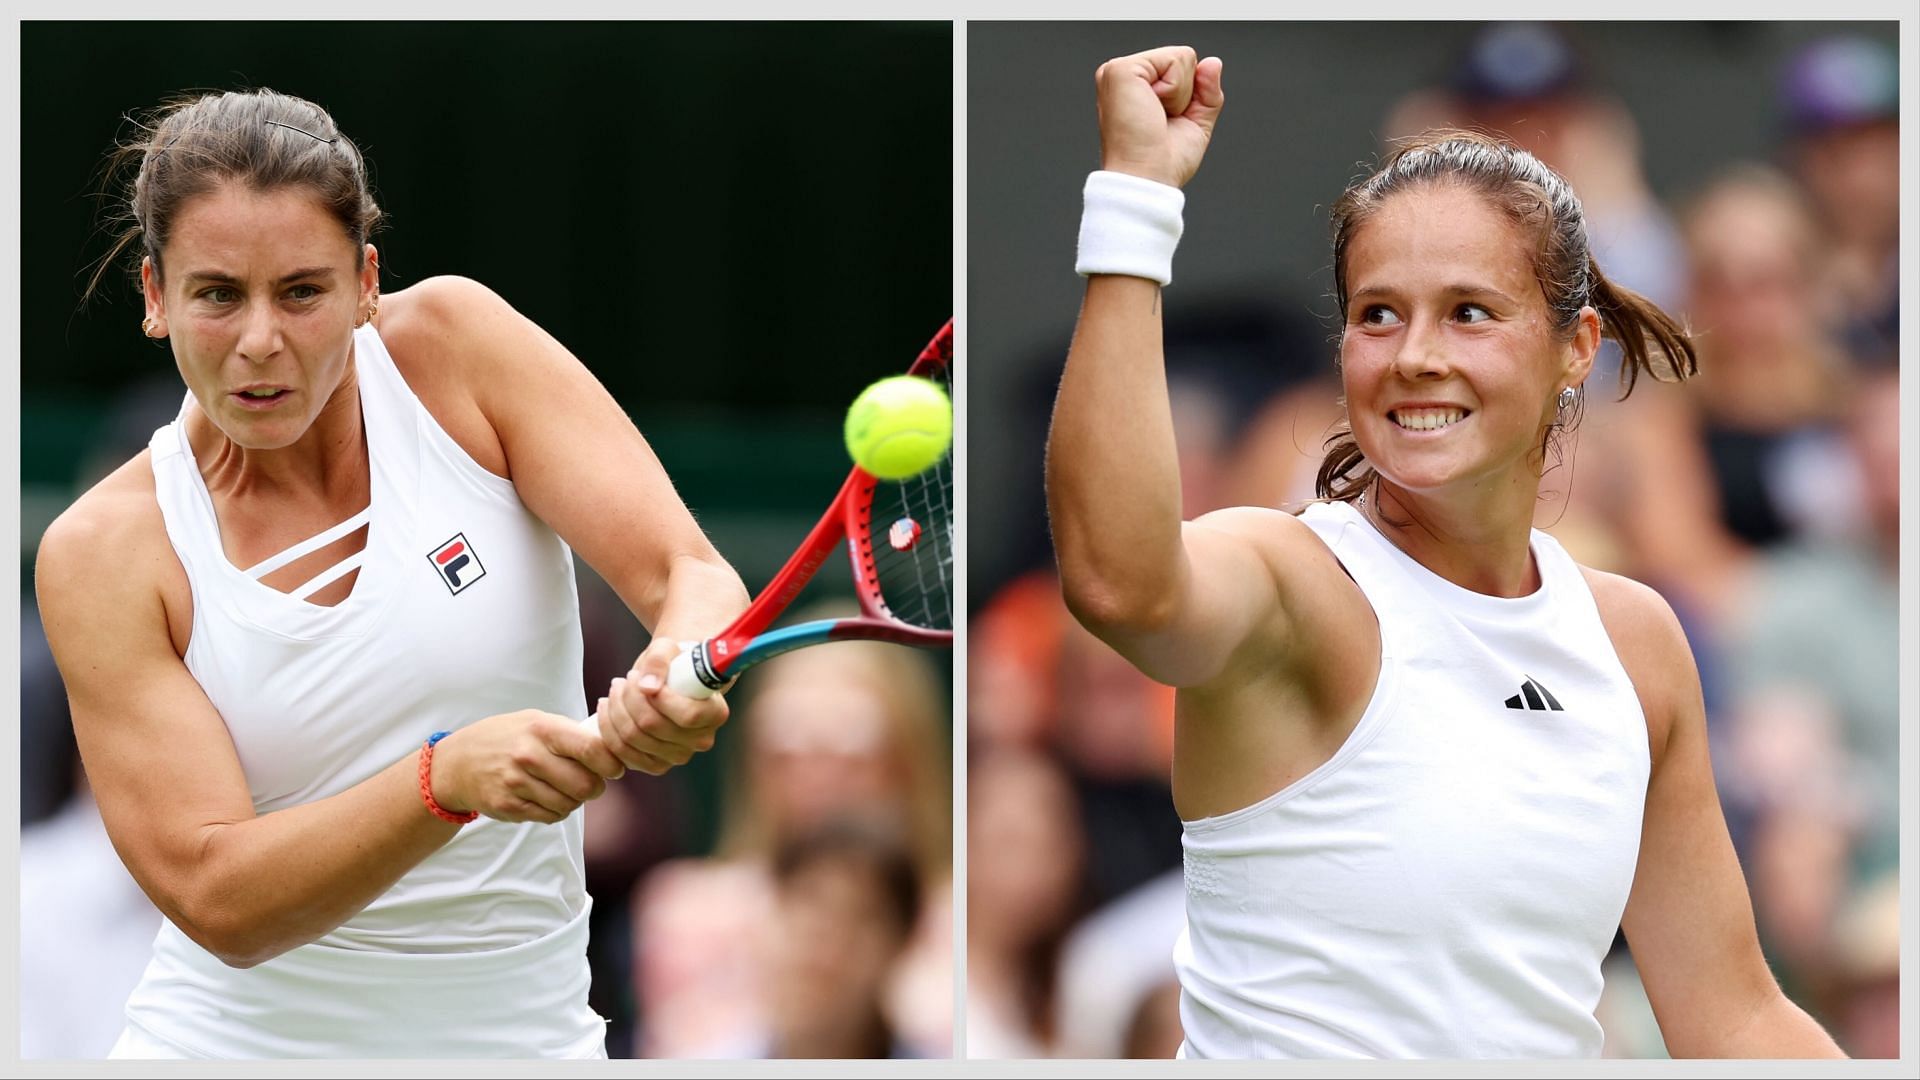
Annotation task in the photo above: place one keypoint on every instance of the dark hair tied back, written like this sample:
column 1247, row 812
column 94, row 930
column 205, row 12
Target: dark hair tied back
column 261, row 138
column 1544, row 206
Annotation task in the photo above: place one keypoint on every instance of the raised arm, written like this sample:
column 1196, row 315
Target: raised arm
column 1689, row 919
column 1174, row 599
column 168, row 781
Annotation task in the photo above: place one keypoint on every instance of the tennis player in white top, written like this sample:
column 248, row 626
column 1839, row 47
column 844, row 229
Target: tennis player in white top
column 1426, row 764
column 357, row 536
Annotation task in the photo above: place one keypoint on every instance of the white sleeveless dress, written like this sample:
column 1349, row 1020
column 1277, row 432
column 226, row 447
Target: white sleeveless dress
column 1448, row 883
column 465, row 607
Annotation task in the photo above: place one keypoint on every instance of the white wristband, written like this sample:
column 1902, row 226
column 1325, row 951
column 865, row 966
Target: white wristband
column 1130, row 225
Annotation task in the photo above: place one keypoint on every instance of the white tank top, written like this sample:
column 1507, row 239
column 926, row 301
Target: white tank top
column 1447, row 884
column 465, row 607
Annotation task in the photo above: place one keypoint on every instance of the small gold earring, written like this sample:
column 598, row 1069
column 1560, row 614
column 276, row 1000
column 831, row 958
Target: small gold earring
column 149, row 327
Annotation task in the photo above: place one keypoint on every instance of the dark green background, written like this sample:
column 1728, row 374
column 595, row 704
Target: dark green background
column 736, row 226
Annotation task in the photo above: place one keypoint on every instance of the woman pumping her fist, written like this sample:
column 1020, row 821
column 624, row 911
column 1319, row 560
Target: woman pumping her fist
column 1427, row 765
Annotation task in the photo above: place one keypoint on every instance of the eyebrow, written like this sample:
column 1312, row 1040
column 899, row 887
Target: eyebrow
column 1458, row 289
column 218, row 277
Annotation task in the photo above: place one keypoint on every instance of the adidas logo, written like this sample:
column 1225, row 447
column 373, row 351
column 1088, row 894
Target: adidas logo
column 1534, row 696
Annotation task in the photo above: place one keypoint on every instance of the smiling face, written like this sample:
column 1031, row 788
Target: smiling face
column 260, row 293
column 1449, row 356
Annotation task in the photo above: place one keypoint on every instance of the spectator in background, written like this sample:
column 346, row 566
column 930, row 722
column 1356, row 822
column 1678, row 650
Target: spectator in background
column 1113, row 962
column 1013, row 653
column 1153, row 1031
column 1526, row 82
column 1807, row 755
column 847, row 898
column 847, row 733
column 1772, row 380
column 1024, row 859
column 1841, row 102
column 1754, row 458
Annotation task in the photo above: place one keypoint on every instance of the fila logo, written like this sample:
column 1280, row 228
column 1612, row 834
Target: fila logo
column 1535, row 697
column 457, row 563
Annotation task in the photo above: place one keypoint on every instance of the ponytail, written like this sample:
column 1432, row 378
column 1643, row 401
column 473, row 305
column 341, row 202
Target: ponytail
column 1540, row 202
column 1650, row 340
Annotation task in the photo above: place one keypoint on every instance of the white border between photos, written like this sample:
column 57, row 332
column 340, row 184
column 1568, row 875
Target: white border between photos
column 962, row 437
column 1117, row 10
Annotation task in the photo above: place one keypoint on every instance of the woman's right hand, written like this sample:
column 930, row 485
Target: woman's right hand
column 1157, row 111
column 522, row 766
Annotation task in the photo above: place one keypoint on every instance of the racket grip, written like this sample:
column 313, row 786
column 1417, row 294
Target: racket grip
column 681, row 678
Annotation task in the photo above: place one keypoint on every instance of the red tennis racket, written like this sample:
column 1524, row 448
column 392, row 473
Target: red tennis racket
column 899, row 537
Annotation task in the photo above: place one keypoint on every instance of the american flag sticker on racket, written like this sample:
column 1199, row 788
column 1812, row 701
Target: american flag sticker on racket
column 457, row 563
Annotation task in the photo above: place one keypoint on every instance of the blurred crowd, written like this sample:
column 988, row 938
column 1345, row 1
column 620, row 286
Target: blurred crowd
column 1761, row 498
column 820, row 924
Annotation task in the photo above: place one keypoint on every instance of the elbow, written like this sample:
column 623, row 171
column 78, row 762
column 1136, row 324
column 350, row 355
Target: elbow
column 212, row 911
column 1125, row 587
column 1109, row 608
column 231, row 940
column 241, row 961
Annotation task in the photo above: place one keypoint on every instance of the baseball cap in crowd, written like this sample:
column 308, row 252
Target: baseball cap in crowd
column 1840, row 81
column 1516, row 62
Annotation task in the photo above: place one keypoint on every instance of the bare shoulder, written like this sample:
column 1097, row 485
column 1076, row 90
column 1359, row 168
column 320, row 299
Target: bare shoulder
column 442, row 322
column 1272, row 532
column 1253, row 521
column 1326, row 616
column 1300, row 561
column 1644, row 629
column 452, row 339
column 116, row 515
column 443, row 303
column 107, row 557
column 1651, row 644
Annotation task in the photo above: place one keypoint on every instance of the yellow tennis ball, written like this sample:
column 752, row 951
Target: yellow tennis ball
column 899, row 426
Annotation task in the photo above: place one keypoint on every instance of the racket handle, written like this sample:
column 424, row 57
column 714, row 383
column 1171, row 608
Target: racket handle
column 681, row 678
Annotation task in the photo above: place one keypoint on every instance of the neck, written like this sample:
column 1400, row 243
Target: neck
column 329, row 458
column 1480, row 542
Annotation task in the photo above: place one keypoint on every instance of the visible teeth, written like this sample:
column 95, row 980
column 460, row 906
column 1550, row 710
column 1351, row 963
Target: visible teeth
column 260, row 393
column 1427, row 419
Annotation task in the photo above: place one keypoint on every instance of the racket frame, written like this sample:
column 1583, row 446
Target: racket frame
column 848, row 519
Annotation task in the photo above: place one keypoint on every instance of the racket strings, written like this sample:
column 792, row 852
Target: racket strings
column 912, row 544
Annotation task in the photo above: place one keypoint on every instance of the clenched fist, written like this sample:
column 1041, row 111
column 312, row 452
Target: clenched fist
column 1157, row 112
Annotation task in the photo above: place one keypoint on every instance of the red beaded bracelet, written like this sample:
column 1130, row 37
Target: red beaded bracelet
column 426, row 784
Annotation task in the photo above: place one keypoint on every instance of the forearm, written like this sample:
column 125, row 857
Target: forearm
column 283, row 879
column 1776, row 1028
column 1113, row 471
column 702, row 594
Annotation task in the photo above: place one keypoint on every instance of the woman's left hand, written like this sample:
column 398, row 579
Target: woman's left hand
column 651, row 728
